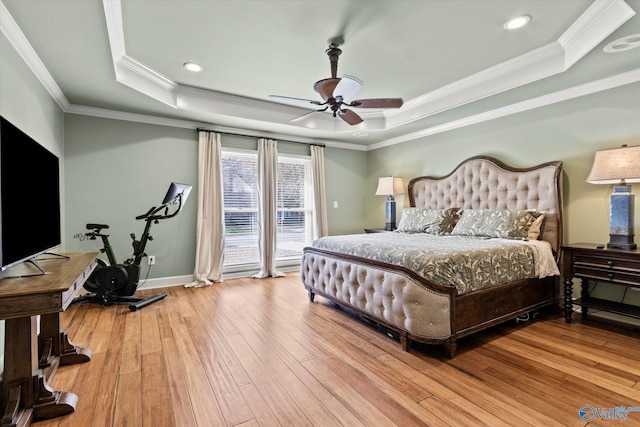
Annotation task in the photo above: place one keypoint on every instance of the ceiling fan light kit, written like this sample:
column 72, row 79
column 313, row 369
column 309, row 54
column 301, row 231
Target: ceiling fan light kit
column 336, row 93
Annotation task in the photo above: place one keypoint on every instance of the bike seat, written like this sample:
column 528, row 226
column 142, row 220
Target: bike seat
column 91, row 226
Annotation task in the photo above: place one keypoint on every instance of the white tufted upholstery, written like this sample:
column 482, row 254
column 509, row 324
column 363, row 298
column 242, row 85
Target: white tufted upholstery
column 411, row 305
column 483, row 183
column 384, row 294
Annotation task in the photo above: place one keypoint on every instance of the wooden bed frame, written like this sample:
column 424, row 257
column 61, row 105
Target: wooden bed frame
column 417, row 309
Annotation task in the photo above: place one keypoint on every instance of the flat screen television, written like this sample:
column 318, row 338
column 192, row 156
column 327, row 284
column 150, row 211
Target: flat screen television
column 29, row 197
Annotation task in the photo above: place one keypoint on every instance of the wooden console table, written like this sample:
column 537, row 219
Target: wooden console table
column 31, row 360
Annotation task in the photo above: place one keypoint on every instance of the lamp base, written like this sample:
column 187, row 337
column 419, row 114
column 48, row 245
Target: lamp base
column 390, row 223
column 621, row 218
column 619, row 241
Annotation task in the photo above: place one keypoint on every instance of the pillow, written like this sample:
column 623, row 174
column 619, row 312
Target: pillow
column 432, row 221
column 501, row 223
column 522, row 223
column 536, row 228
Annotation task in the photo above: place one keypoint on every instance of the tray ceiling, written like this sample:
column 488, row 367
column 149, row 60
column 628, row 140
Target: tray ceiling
column 453, row 63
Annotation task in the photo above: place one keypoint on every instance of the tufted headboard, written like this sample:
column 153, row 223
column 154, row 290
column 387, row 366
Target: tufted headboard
column 487, row 183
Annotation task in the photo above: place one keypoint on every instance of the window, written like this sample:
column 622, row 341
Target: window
column 294, row 202
column 294, row 207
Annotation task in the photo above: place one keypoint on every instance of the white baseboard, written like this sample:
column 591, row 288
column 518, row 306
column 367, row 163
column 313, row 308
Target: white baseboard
column 165, row 282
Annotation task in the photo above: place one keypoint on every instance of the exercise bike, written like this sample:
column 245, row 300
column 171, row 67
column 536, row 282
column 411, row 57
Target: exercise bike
column 115, row 283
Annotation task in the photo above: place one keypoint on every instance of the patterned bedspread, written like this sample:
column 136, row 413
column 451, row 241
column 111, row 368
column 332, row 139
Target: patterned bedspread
column 468, row 263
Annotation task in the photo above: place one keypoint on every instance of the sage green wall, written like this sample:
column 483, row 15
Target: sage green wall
column 26, row 104
column 117, row 170
column 346, row 183
column 570, row 131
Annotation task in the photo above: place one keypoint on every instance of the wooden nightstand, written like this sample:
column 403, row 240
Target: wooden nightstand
column 606, row 266
column 376, row 230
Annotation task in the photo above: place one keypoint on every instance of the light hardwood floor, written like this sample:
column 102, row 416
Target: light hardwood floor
column 251, row 352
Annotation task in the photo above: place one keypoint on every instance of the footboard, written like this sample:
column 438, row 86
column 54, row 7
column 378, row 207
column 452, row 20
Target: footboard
column 389, row 295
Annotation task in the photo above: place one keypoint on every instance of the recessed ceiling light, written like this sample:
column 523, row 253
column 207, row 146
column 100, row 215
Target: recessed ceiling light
column 192, row 66
column 359, row 134
column 622, row 44
column 517, row 22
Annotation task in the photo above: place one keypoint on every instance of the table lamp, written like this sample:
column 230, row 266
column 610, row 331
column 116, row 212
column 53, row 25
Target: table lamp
column 618, row 166
column 389, row 186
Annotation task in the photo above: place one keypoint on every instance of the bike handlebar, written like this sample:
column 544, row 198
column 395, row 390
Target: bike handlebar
column 149, row 212
column 150, row 215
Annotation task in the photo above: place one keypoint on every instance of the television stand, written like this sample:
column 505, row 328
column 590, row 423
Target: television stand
column 31, row 359
column 36, row 264
column 54, row 255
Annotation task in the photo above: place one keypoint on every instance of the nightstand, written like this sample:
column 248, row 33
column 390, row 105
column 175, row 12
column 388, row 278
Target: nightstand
column 587, row 262
column 376, row 230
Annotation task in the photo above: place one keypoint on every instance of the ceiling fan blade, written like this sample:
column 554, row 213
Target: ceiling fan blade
column 305, row 115
column 347, row 87
column 377, row 103
column 314, row 102
column 350, row 117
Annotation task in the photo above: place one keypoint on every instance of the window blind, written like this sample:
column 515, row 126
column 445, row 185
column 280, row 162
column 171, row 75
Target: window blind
column 240, row 192
column 294, row 203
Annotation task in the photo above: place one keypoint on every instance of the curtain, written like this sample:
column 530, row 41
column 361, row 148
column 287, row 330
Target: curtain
column 320, row 223
column 267, row 209
column 210, row 222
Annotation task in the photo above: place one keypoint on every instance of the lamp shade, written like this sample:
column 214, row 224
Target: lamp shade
column 615, row 166
column 389, row 185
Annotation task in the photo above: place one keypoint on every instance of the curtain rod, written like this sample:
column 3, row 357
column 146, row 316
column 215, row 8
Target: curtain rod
column 255, row 136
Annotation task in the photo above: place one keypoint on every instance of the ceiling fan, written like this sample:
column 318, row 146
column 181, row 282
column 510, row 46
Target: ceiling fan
column 337, row 91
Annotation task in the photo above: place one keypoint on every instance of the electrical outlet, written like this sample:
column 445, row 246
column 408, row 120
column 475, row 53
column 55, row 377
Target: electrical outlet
column 151, row 259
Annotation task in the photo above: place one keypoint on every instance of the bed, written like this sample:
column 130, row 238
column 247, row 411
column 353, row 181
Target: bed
column 382, row 279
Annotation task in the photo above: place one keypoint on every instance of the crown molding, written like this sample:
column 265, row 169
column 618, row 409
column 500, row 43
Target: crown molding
column 529, row 67
column 16, row 37
column 189, row 124
column 599, row 20
column 593, row 26
column 136, row 75
column 612, row 82
column 115, row 28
